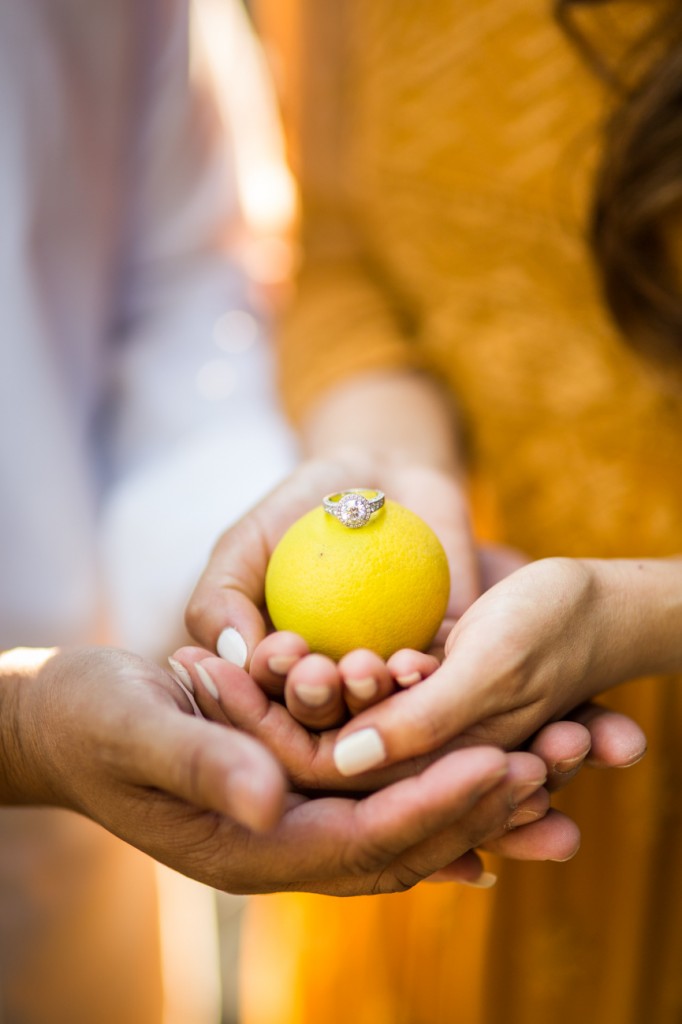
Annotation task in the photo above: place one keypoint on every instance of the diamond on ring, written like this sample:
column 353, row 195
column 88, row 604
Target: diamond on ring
column 352, row 508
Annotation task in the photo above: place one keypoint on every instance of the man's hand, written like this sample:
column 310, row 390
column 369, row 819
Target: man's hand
column 113, row 737
column 229, row 695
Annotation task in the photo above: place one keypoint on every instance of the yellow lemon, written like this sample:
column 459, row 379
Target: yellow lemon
column 383, row 586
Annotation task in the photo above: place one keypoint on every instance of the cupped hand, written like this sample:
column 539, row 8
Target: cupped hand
column 113, row 736
column 229, row 695
column 115, row 739
column 538, row 644
column 226, row 611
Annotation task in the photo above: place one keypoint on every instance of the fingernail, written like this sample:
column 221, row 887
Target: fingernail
column 409, row 680
column 486, row 880
column 569, row 765
column 313, row 696
column 526, row 790
column 281, row 663
column 635, row 759
column 359, row 752
column 363, row 689
column 232, row 647
column 209, row 685
column 563, row 860
column 523, row 816
column 182, row 674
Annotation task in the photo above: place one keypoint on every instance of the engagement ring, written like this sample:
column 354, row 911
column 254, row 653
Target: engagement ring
column 352, row 508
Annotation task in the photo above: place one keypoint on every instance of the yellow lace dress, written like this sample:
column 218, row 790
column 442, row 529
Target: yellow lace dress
column 446, row 150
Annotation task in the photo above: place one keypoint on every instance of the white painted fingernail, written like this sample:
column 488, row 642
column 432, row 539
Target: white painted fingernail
column 363, row 689
column 486, row 880
column 232, row 647
column 359, row 752
column 209, row 685
column 182, row 674
column 313, row 696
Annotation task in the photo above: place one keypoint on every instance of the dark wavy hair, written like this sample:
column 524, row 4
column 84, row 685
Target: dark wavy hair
column 638, row 188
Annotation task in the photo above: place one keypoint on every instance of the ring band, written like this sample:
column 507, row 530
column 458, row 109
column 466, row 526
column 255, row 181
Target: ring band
column 352, row 508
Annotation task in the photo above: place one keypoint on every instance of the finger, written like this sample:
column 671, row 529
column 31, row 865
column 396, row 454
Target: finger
column 412, row 722
column 366, row 680
column 188, row 663
column 208, row 766
column 424, row 814
column 274, row 657
column 314, row 692
column 229, row 694
column 468, row 869
column 563, row 746
column 484, row 815
column 617, row 741
column 552, row 837
column 306, row 756
column 223, row 613
column 409, row 667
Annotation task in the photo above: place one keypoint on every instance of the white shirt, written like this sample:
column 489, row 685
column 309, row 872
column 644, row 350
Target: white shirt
column 136, row 412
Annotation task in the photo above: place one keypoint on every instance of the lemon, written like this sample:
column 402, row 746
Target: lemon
column 384, row 586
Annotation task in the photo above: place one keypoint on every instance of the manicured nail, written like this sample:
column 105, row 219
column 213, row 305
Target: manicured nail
column 569, row 765
column 409, row 680
column 359, row 752
column 232, row 647
column 182, row 674
column 363, row 689
column 209, row 685
column 281, row 663
column 486, row 880
column 313, row 696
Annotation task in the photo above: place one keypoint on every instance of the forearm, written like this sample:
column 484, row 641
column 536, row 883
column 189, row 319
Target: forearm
column 22, row 778
column 397, row 415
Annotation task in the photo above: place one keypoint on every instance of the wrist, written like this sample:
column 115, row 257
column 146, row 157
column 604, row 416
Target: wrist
column 400, row 416
column 24, row 778
column 641, row 601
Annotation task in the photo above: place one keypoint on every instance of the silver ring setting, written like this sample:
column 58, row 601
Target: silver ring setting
column 352, row 508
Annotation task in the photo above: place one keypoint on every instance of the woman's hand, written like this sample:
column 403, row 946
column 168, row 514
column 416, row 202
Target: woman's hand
column 226, row 612
column 322, row 694
column 543, row 641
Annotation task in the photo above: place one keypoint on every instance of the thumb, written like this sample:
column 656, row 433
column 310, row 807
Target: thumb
column 223, row 613
column 211, row 767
